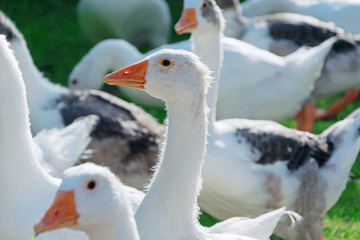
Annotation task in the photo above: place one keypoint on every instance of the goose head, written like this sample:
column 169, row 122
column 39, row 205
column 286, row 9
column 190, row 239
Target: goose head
column 114, row 54
column 200, row 16
column 85, row 75
column 88, row 198
column 170, row 75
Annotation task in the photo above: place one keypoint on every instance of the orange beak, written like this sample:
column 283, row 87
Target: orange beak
column 187, row 21
column 62, row 213
column 131, row 76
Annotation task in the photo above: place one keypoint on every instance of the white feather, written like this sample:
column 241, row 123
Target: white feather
column 63, row 148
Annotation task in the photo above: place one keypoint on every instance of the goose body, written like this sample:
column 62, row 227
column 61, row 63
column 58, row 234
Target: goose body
column 27, row 189
column 343, row 13
column 181, row 80
column 122, row 126
column 283, row 33
column 253, row 166
column 242, row 92
column 256, row 96
column 277, row 164
column 141, row 22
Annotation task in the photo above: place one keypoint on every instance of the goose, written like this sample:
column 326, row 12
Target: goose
column 236, row 77
column 93, row 200
column 344, row 14
column 125, row 138
column 27, row 189
column 142, row 22
column 181, row 80
column 114, row 54
column 283, row 33
column 267, row 94
column 89, row 191
column 253, row 166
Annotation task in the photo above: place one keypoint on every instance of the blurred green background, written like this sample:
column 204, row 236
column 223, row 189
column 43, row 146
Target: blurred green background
column 57, row 44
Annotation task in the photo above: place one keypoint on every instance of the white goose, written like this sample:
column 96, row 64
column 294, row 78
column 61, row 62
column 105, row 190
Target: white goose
column 253, row 166
column 27, row 189
column 181, row 80
column 114, row 54
column 238, row 82
column 277, row 91
column 125, row 138
column 99, row 203
column 344, row 13
column 283, row 33
column 92, row 199
column 139, row 21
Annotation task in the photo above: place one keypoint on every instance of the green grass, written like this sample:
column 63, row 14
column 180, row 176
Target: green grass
column 57, row 44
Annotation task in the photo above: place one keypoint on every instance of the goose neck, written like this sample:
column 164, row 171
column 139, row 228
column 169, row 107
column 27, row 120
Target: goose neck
column 117, row 54
column 237, row 12
column 114, row 54
column 119, row 228
column 213, row 59
column 16, row 140
column 19, row 165
column 172, row 195
column 36, row 84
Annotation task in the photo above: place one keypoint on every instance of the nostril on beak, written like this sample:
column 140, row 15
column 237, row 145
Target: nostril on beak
column 57, row 212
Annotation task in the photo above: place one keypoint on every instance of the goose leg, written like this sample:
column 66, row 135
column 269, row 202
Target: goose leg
column 336, row 107
column 322, row 238
column 305, row 118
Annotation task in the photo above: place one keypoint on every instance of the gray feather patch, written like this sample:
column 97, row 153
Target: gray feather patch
column 290, row 147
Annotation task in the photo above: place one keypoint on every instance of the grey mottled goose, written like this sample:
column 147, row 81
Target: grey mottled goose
column 126, row 137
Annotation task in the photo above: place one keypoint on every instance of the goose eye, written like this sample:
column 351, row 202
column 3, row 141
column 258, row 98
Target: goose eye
column 74, row 81
column 91, row 185
column 204, row 5
column 165, row 62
